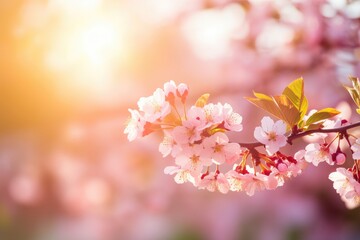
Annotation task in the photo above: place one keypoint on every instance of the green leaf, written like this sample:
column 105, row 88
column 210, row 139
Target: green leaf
column 202, row 101
column 279, row 106
column 295, row 92
column 301, row 124
column 355, row 82
column 268, row 105
column 355, row 91
column 290, row 114
column 322, row 115
column 315, row 126
column 262, row 96
column 354, row 95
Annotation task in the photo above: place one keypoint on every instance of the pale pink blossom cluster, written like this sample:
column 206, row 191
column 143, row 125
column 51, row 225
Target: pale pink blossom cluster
column 320, row 150
column 317, row 153
column 347, row 185
column 356, row 149
column 196, row 138
column 324, row 152
column 268, row 172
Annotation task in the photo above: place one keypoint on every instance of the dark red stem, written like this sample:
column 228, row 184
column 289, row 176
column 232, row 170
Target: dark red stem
column 342, row 129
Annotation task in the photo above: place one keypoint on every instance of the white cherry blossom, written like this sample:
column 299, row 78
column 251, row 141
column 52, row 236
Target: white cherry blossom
column 170, row 88
column 169, row 146
column 218, row 148
column 235, row 180
column 232, row 120
column 215, row 181
column 170, row 91
column 196, row 117
column 213, row 113
column 271, row 134
column 332, row 123
column 250, row 182
column 356, row 149
column 299, row 155
column 191, row 128
column 317, row 153
column 186, row 134
column 154, row 107
column 182, row 91
column 193, row 159
column 182, row 175
column 285, row 171
column 346, row 186
column 135, row 127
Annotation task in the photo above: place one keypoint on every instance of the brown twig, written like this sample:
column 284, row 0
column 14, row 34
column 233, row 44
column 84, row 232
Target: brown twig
column 342, row 129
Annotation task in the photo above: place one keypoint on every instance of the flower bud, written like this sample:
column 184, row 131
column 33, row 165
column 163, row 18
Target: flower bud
column 339, row 158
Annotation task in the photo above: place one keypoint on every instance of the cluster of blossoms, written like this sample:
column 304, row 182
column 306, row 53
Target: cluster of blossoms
column 195, row 137
column 347, row 181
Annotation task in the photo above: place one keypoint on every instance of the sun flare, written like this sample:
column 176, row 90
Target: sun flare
column 80, row 44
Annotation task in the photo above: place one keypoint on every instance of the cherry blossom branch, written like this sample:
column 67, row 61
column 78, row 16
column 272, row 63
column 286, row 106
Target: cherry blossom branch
column 196, row 139
column 292, row 137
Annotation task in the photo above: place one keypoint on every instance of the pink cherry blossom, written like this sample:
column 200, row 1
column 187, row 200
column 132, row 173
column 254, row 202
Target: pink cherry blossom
column 154, row 107
column 235, row 180
column 342, row 179
column 135, row 126
column 182, row 91
column 193, row 159
column 196, row 117
column 191, row 128
column 286, row 170
column 186, row 134
column 317, row 153
column 346, row 186
column 169, row 146
column 182, row 175
column 170, row 91
column 259, row 182
column 271, row 134
column 294, row 169
column 213, row 113
column 218, row 148
column 285, row 167
column 356, row 149
column 215, row 181
column 250, row 182
column 170, row 87
column 232, row 120
column 332, row 123
column 299, row 155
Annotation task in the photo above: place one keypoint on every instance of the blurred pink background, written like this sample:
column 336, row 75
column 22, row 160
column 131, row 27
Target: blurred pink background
column 69, row 70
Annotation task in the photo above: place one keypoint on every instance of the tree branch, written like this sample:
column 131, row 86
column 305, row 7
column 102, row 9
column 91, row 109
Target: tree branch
column 342, row 129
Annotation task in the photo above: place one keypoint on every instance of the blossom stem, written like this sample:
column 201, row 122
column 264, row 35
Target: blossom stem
column 177, row 112
column 337, row 136
column 342, row 129
column 184, row 109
